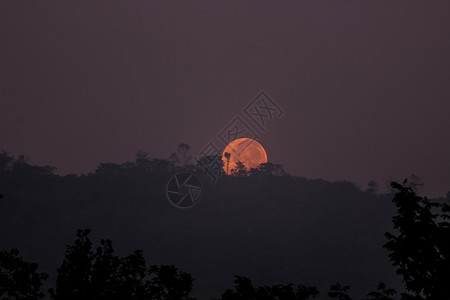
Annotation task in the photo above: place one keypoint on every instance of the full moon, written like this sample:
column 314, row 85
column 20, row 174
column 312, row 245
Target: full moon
column 245, row 150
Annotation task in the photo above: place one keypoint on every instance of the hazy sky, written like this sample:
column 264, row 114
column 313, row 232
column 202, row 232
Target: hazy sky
column 365, row 85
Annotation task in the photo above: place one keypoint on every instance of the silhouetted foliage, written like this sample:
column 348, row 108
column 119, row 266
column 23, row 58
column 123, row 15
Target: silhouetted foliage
column 104, row 276
column 372, row 187
column 183, row 149
column 108, row 168
column 19, row 279
column 143, row 161
column 267, row 169
column 414, row 182
column 244, row 290
column 21, row 166
column 421, row 249
column 227, row 157
column 167, row 283
column 304, row 292
column 74, row 275
column 339, row 292
column 240, row 170
column 174, row 159
column 6, row 160
column 382, row 293
column 160, row 166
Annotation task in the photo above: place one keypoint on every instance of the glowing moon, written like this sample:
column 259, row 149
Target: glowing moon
column 245, row 150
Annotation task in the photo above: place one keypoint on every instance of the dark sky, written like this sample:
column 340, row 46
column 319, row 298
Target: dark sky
column 364, row 84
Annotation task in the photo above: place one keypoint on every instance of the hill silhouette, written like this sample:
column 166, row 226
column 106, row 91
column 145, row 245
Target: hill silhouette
column 272, row 229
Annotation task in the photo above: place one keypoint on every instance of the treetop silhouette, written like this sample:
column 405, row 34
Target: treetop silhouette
column 85, row 274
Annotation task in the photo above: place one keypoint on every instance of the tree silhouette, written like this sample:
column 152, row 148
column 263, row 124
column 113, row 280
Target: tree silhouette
column 414, row 182
column 184, row 149
column 6, row 160
column 105, row 276
column 227, row 156
column 244, row 290
column 167, row 283
column 240, row 170
column 19, row 279
column 267, row 169
column 372, row 187
column 105, row 272
column 131, row 283
column 382, row 293
column 174, row 159
column 159, row 166
column 108, row 168
column 74, row 275
column 143, row 161
column 22, row 167
column 338, row 291
column 421, row 249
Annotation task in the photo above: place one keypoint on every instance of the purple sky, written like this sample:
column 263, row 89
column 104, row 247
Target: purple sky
column 365, row 85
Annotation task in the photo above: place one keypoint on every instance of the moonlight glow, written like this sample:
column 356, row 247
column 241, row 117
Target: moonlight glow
column 245, row 150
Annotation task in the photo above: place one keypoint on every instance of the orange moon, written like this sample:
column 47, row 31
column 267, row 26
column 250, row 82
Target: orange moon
column 245, row 150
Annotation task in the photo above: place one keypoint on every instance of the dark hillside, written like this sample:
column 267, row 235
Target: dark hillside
column 273, row 229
